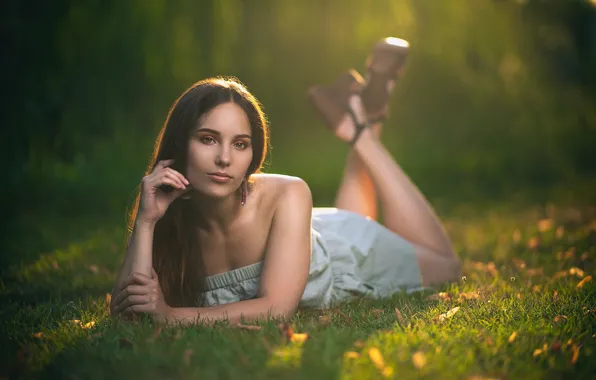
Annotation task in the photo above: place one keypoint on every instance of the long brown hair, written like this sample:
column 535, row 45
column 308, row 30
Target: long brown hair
column 176, row 251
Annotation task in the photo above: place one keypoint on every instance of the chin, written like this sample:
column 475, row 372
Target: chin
column 216, row 192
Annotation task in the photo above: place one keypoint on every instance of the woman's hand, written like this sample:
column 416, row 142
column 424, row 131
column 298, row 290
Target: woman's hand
column 154, row 202
column 141, row 294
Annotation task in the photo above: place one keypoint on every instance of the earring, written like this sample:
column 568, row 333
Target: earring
column 244, row 191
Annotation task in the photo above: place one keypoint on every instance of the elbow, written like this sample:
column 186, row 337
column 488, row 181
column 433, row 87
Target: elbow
column 281, row 308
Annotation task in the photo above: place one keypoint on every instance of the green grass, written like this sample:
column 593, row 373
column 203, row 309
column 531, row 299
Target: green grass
column 522, row 267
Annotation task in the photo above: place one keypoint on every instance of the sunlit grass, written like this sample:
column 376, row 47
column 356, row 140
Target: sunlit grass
column 525, row 307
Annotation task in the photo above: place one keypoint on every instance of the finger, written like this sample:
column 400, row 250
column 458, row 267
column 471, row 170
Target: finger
column 169, row 181
column 130, row 290
column 172, row 176
column 154, row 273
column 162, row 164
column 137, row 278
column 178, row 175
column 137, row 309
column 133, row 300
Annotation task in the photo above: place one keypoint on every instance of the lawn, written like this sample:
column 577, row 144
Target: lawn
column 525, row 308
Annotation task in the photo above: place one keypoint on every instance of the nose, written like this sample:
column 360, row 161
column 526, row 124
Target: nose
column 223, row 158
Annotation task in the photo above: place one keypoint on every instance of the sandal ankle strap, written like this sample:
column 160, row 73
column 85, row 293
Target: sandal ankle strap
column 359, row 127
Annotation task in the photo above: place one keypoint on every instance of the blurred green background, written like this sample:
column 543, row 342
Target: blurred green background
column 498, row 97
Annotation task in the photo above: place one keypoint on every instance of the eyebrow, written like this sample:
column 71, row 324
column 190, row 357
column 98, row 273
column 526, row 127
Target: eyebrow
column 219, row 134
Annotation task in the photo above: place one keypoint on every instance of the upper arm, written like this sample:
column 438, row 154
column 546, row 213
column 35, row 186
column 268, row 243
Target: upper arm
column 287, row 256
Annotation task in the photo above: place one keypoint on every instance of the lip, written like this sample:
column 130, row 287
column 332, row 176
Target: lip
column 219, row 178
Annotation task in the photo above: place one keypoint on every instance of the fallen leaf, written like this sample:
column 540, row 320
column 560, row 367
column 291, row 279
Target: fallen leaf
column 577, row 272
column 575, row 351
column 516, row 237
column 376, row 312
column 560, row 318
column 536, row 288
column 351, row 355
column 324, row 319
column 387, row 371
column 560, row 232
column 359, row 344
column 88, row 325
column 533, row 243
column 540, row 351
column 545, row 225
column 449, row 314
column 584, row 281
column 299, row 338
column 489, row 341
column 400, row 318
column 555, row 296
column 376, row 357
column 38, row 335
column 438, row 296
column 512, row 337
column 249, row 327
column 108, row 299
column 93, row 268
column 468, row 296
column 584, row 256
column 419, row 359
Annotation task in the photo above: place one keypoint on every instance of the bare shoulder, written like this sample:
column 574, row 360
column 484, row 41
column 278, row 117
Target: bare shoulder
column 276, row 188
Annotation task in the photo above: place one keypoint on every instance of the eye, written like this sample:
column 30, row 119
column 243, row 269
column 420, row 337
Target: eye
column 241, row 145
column 207, row 140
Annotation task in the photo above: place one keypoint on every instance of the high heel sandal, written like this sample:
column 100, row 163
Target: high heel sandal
column 384, row 65
column 332, row 101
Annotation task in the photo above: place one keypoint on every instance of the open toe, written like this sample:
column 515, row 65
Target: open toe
column 332, row 101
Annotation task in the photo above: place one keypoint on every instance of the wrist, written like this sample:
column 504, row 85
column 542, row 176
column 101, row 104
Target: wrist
column 144, row 224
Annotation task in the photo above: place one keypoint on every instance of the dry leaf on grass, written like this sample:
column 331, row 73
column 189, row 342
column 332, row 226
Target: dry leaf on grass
column 545, row 225
column 38, row 335
column 540, row 351
column 560, row 318
column 419, row 359
column 447, row 315
column 560, row 231
column 512, row 337
column 324, row 319
column 584, row 282
column 249, row 327
column 575, row 355
column 376, row 312
column 577, row 272
column 468, row 296
column 442, row 296
column 400, row 318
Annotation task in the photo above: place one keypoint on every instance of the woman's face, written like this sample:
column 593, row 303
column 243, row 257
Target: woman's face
column 220, row 144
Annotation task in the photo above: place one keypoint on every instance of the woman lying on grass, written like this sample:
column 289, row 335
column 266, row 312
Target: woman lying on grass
column 213, row 238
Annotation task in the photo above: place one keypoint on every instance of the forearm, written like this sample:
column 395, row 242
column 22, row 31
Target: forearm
column 249, row 310
column 139, row 252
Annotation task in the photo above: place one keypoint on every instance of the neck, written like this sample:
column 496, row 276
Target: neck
column 216, row 214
